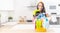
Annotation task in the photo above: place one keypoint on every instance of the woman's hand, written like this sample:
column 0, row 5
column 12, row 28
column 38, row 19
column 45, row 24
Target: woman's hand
column 48, row 16
column 42, row 19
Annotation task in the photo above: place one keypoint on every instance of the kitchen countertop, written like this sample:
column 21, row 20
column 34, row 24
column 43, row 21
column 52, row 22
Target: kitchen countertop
column 26, row 28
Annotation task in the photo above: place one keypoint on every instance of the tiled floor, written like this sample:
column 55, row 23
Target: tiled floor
column 26, row 28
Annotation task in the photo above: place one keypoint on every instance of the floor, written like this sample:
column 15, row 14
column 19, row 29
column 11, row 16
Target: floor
column 14, row 27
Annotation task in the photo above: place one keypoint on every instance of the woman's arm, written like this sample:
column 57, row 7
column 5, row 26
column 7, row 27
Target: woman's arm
column 48, row 16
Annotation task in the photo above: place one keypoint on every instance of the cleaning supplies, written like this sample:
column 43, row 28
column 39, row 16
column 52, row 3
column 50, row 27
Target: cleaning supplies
column 41, row 23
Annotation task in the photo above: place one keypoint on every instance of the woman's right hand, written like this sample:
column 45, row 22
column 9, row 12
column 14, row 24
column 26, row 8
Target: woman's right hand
column 42, row 19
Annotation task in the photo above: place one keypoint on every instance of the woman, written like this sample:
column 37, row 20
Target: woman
column 40, row 9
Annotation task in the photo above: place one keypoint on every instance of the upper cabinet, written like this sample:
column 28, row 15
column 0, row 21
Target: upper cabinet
column 6, row 4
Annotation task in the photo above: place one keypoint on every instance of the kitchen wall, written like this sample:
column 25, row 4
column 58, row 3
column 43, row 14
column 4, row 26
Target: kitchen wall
column 22, row 7
column 26, row 7
column 6, row 6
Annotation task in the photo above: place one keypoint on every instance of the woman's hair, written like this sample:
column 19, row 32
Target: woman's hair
column 43, row 10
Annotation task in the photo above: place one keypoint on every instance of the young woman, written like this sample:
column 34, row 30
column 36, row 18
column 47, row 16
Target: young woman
column 40, row 9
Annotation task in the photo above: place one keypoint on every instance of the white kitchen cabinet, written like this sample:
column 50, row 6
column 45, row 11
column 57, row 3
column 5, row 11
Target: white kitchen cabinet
column 6, row 4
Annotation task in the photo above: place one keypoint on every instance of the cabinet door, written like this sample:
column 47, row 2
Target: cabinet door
column 4, row 16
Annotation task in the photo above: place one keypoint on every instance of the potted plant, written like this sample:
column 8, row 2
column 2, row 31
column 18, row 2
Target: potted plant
column 10, row 18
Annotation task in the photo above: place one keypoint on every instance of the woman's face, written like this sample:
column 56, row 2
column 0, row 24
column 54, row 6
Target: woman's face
column 40, row 7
